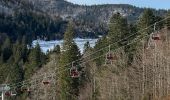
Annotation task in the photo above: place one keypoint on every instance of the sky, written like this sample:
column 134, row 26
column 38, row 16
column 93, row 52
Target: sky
column 158, row 4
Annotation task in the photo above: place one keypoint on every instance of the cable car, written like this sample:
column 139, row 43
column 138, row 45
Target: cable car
column 156, row 37
column 46, row 80
column 13, row 93
column 28, row 90
column 74, row 73
column 8, row 93
column 109, row 56
column 25, row 89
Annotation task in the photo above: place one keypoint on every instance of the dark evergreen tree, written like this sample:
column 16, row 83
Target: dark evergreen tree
column 117, row 36
column 160, row 23
column 17, row 52
column 4, row 69
column 68, row 36
column 146, row 19
column 10, row 63
column 69, row 86
column 6, row 50
column 101, row 43
column 24, row 49
column 16, row 73
column 130, row 49
column 35, row 61
column 118, row 30
column 168, row 20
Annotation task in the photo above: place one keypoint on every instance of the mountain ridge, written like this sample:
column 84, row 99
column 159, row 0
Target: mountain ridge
column 90, row 21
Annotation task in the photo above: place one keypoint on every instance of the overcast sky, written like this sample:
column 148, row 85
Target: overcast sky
column 158, row 4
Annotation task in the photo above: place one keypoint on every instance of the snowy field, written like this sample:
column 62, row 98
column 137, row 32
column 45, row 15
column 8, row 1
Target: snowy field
column 49, row 45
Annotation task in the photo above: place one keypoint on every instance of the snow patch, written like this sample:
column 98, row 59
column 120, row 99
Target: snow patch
column 49, row 45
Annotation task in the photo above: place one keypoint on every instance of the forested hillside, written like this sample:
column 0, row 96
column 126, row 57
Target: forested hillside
column 47, row 19
column 130, row 62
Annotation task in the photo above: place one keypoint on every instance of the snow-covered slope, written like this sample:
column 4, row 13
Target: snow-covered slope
column 49, row 45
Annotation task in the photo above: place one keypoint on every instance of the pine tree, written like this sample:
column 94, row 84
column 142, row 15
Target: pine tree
column 101, row 43
column 6, row 53
column 35, row 61
column 4, row 68
column 159, row 25
column 118, row 29
column 130, row 49
column 16, row 73
column 6, row 50
column 168, row 20
column 10, row 64
column 17, row 52
column 68, row 36
column 146, row 19
column 24, row 49
column 70, row 53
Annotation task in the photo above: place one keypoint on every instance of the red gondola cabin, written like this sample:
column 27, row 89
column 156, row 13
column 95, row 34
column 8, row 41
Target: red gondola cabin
column 74, row 72
column 109, row 56
column 156, row 37
column 8, row 93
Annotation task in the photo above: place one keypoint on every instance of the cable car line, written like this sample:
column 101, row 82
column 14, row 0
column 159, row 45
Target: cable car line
column 95, row 57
